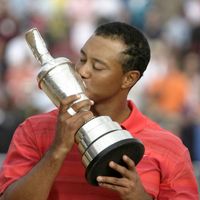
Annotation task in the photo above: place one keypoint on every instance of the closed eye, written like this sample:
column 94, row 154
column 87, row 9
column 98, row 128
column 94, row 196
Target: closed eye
column 98, row 66
column 82, row 60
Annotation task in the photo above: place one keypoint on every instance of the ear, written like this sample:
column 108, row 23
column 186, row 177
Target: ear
column 130, row 79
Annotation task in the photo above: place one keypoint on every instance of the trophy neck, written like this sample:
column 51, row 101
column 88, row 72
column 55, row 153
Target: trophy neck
column 38, row 46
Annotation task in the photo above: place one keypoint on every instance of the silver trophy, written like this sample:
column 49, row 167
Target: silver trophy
column 99, row 140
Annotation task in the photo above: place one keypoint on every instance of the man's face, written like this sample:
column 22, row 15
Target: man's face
column 100, row 68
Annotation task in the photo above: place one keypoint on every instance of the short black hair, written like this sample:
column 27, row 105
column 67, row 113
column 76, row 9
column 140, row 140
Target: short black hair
column 137, row 54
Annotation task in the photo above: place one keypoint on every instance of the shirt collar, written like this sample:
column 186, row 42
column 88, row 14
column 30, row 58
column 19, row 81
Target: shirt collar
column 136, row 120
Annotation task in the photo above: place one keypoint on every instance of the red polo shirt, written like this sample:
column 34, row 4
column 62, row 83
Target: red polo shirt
column 165, row 169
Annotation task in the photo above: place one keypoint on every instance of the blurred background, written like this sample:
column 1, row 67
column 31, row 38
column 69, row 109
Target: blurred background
column 169, row 91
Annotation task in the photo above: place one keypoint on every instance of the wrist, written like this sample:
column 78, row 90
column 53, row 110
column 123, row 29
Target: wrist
column 58, row 151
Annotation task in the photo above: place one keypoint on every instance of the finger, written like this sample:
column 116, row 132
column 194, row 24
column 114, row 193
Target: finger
column 82, row 116
column 73, row 123
column 119, row 168
column 129, row 162
column 110, row 186
column 83, row 105
column 67, row 102
column 111, row 182
column 85, row 115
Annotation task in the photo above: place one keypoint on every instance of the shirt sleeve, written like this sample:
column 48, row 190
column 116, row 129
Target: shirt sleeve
column 149, row 173
column 180, row 183
column 22, row 155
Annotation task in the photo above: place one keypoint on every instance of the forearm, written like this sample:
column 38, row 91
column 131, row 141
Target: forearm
column 143, row 195
column 37, row 183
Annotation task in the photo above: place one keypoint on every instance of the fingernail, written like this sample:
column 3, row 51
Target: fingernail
column 111, row 163
column 99, row 179
column 125, row 156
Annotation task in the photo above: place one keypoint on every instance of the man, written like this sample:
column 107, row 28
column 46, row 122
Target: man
column 43, row 161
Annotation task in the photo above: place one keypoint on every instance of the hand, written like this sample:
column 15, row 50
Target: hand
column 129, row 185
column 68, row 125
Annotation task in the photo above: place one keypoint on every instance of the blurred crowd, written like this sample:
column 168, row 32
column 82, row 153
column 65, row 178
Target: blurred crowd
column 169, row 91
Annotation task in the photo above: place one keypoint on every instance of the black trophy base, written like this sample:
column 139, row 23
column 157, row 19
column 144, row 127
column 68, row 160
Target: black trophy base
column 99, row 165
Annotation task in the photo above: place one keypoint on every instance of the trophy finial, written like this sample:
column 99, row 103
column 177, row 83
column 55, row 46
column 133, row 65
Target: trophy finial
column 38, row 46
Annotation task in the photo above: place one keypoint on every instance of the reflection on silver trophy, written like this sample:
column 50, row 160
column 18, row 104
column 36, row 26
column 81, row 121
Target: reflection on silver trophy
column 99, row 140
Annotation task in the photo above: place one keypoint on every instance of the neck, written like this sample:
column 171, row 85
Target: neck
column 118, row 111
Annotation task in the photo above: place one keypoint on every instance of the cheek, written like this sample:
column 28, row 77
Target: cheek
column 106, row 85
column 103, row 81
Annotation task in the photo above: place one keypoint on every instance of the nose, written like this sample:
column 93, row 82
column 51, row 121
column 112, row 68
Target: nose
column 83, row 70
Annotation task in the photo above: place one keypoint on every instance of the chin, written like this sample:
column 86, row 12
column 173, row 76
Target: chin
column 89, row 95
